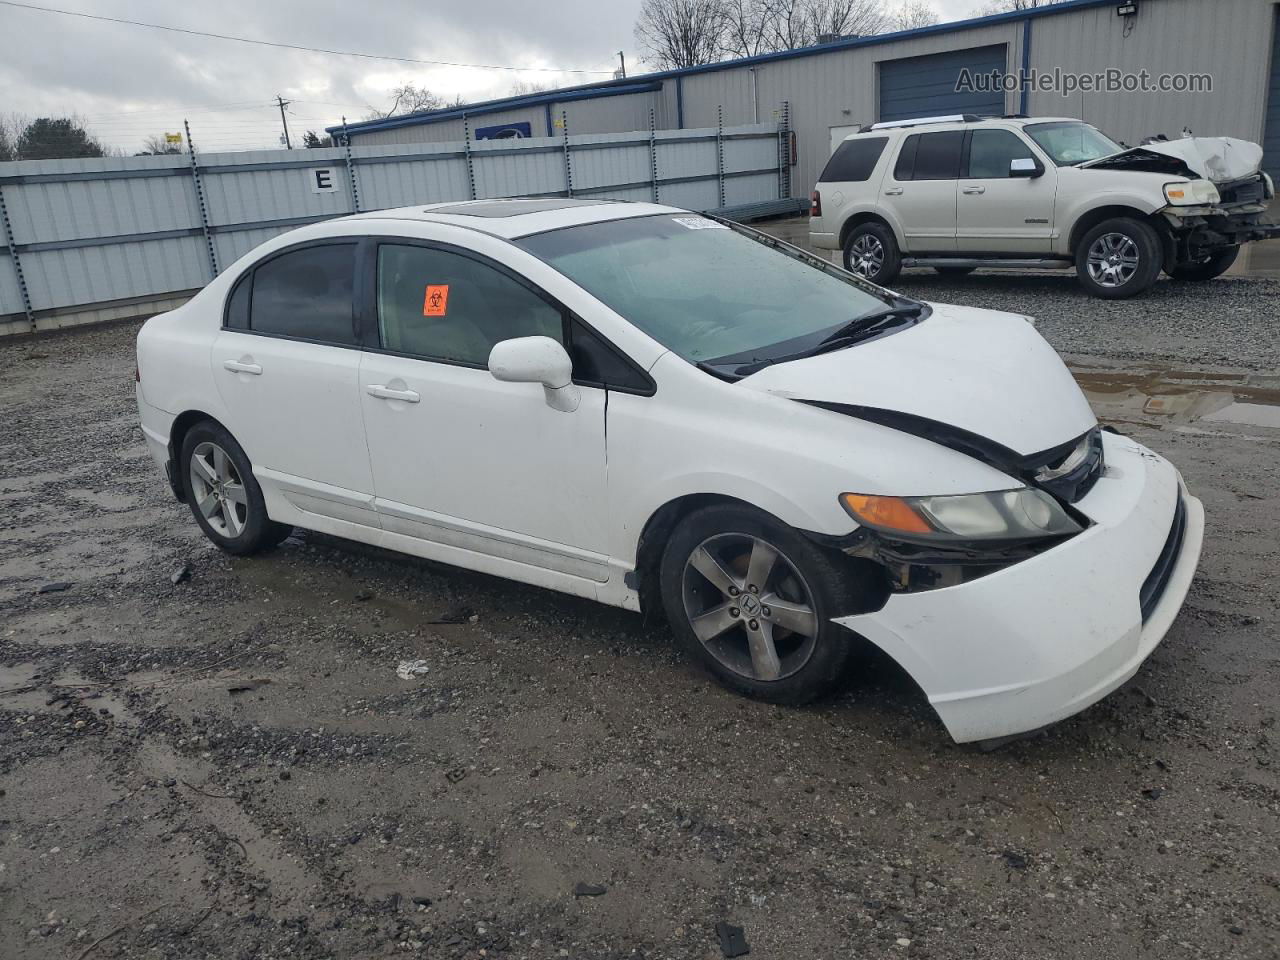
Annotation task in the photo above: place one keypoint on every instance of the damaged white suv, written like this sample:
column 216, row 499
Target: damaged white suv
column 961, row 193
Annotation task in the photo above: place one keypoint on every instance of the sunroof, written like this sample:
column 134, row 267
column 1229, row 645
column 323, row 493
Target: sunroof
column 511, row 208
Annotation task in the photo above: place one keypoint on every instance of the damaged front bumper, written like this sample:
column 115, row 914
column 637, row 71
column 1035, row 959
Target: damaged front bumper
column 1040, row 640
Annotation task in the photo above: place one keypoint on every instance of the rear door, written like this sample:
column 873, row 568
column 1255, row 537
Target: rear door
column 997, row 213
column 920, row 190
column 287, row 368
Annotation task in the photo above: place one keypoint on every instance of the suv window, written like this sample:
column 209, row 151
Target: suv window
column 440, row 305
column 991, row 152
column 305, row 294
column 930, row 156
column 853, row 160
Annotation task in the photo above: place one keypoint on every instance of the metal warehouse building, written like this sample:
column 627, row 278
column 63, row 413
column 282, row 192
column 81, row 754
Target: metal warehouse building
column 863, row 80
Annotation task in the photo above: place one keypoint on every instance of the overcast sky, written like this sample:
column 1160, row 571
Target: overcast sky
column 129, row 82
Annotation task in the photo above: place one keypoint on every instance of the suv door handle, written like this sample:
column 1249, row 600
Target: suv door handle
column 386, row 393
column 975, row 189
column 242, row 366
column 893, row 192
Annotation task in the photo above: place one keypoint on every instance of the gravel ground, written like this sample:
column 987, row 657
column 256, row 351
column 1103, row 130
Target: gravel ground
column 228, row 766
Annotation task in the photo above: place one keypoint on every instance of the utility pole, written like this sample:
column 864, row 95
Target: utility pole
column 283, row 122
column 622, row 66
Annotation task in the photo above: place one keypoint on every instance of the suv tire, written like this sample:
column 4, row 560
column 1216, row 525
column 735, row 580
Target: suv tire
column 871, row 251
column 1215, row 266
column 724, row 618
column 223, row 493
column 1119, row 258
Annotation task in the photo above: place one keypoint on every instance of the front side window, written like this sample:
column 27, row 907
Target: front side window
column 306, row 294
column 991, row 152
column 1069, row 142
column 440, row 305
column 930, row 156
column 699, row 288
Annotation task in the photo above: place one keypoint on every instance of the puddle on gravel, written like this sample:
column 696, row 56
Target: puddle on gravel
column 1167, row 396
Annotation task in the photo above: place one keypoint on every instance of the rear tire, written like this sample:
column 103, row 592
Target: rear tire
column 955, row 271
column 871, row 251
column 1209, row 269
column 223, row 493
column 1119, row 258
column 761, row 620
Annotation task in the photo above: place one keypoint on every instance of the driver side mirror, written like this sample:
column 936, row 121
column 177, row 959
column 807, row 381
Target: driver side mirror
column 1025, row 167
column 537, row 360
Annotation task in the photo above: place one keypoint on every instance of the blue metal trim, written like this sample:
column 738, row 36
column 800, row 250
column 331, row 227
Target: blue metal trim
column 551, row 126
column 565, row 95
column 610, row 88
column 1024, row 95
column 679, row 103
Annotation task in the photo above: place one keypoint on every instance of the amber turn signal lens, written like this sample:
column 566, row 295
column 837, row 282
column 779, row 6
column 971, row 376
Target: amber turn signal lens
column 888, row 513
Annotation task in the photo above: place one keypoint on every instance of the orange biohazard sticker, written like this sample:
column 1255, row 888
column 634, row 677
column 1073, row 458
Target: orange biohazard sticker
column 436, row 303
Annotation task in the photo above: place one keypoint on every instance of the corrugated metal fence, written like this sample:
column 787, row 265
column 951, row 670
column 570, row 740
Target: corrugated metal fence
column 89, row 240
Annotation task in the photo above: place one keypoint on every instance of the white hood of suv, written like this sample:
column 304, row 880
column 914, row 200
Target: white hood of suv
column 1220, row 159
column 986, row 372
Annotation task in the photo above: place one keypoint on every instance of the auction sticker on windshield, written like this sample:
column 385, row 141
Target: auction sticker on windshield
column 699, row 223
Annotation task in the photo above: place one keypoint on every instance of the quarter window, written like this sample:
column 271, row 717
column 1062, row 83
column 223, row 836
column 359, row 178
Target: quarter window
column 992, row 151
column 854, row 160
column 305, row 294
column 930, row 156
column 440, row 305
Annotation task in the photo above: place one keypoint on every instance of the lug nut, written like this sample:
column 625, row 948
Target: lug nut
column 734, row 612
column 753, row 588
column 754, row 624
column 766, row 611
column 734, row 591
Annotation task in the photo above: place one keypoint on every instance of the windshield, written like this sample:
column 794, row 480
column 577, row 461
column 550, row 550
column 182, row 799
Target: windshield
column 701, row 289
column 1070, row 142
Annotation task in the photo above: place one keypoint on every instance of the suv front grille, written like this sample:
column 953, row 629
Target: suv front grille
column 1158, row 579
column 1244, row 191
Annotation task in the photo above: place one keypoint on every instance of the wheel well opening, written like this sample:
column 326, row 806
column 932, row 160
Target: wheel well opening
column 857, row 220
column 1094, row 217
column 177, row 433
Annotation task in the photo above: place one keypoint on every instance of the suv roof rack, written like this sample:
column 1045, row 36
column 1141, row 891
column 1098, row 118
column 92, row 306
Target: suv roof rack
column 918, row 121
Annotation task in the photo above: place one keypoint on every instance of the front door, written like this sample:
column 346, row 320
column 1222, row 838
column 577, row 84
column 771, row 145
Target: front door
column 483, row 473
column 997, row 213
column 287, row 366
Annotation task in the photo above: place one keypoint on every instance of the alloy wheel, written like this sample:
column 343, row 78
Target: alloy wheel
column 866, row 256
column 749, row 606
column 1113, row 260
column 218, row 491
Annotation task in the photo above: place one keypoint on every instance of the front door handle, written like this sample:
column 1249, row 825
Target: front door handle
column 975, row 189
column 387, row 393
column 242, row 366
column 893, row 192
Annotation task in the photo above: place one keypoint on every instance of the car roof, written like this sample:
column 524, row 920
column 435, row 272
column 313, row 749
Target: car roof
column 908, row 127
column 513, row 217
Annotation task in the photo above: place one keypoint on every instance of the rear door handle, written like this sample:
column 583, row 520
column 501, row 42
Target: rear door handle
column 242, row 366
column 975, row 189
column 893, row 192
column 386, row 393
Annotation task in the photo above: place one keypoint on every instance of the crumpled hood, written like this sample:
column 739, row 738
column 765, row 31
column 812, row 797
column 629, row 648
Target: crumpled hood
column 986, row 372
column 1220, row 159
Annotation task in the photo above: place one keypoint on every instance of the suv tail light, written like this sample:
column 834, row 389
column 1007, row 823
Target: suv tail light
column 815, row 204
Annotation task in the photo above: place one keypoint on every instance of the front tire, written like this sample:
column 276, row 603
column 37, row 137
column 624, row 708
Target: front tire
column 1208, row 269
column 752, row 600
column 1119, row 258
column 223, row 493
column 871, row 251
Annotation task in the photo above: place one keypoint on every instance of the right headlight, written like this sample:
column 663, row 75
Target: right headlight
column 1002, row 515
column 1194, row 193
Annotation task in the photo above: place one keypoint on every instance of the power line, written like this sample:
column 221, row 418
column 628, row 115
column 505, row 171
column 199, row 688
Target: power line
column 287, row 46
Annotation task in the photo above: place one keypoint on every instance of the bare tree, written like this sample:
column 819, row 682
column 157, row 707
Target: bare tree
column 841, row 18
column 409, row 98
column 913, row 14
column 744, row 27
column 522, row 88
column 157, row 145
column 681, row 33
column 1007, row 6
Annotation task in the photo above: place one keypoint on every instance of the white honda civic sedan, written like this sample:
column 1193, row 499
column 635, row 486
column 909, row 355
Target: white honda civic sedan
column 653, row 408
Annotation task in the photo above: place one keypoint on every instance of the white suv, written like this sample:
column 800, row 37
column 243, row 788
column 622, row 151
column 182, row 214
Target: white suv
column 959, row 193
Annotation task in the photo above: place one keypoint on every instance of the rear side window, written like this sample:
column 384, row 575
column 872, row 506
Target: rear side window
column 930, row 156
column 306, row 294
column 854, row 160
column 992, row 151
column 440, row 305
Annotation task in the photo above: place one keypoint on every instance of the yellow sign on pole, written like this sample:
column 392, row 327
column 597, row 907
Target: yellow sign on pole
column 173, row 138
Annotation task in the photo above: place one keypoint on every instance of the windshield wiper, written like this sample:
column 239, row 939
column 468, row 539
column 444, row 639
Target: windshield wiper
column 862, row 327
